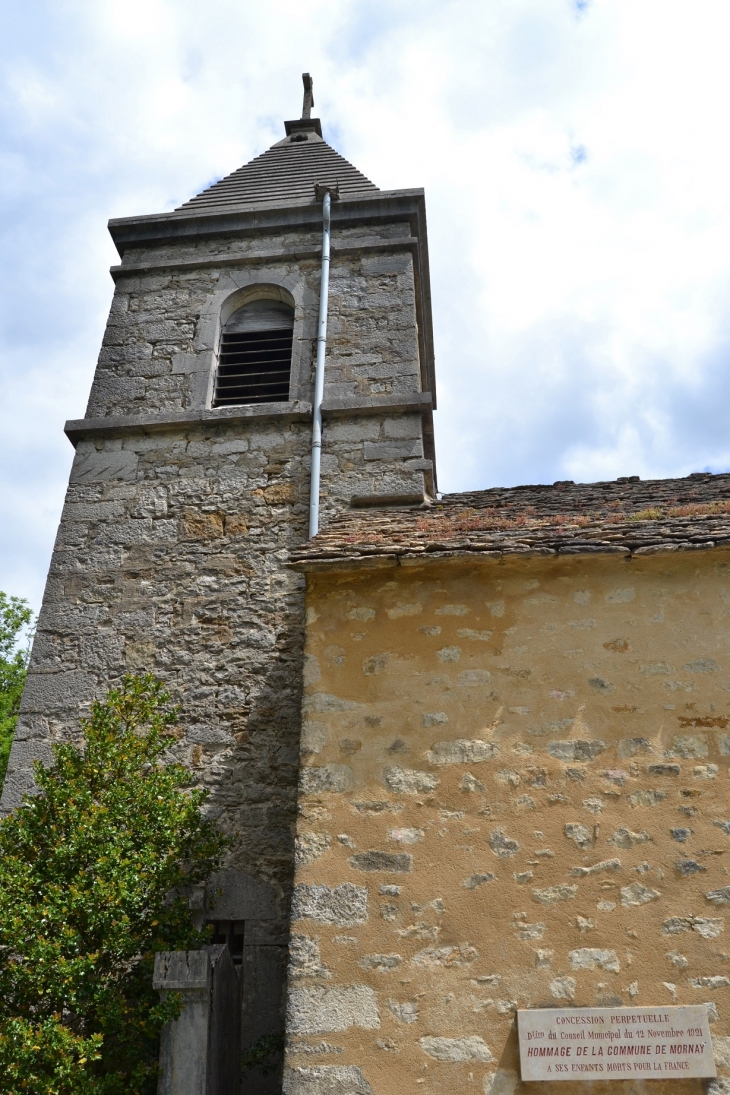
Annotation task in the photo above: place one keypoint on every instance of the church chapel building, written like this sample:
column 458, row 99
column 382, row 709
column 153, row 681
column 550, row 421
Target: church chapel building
column 474, row 748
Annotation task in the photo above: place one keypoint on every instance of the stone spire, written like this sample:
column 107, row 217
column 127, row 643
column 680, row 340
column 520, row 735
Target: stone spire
column 288, row 171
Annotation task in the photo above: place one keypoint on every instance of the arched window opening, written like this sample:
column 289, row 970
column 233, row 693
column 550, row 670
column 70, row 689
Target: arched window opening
column 254, row 364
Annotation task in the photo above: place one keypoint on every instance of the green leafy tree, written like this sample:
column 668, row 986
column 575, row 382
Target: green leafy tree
column 93, row 875
column 16, row 632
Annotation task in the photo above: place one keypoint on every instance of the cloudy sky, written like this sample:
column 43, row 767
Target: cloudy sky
column 576, row 161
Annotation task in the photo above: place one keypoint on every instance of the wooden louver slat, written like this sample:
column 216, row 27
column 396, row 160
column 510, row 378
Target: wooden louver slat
column 254, row 367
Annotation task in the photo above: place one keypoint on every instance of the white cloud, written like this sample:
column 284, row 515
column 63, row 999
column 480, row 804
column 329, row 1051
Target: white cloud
column 576, row 161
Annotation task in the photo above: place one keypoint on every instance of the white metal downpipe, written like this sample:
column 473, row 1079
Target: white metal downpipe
column 319, row 374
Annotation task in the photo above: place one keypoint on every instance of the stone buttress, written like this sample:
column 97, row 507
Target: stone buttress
column 179, row 516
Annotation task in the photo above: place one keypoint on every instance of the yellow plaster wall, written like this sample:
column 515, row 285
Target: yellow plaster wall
column 488, row 731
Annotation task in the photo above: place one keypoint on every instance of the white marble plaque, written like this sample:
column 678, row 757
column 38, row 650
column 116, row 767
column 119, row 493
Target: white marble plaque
column 651, row 1043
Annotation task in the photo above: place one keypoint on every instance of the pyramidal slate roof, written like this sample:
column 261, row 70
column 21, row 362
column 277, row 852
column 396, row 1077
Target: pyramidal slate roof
column 288, row 171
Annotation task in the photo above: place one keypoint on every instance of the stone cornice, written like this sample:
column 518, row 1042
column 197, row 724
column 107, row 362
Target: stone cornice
column 125, row 425
column 266, row 217
column 296, row 411
column 248, row 258
column 418, row 402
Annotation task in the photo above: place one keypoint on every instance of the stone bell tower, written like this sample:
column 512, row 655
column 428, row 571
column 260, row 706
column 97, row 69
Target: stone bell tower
column 190, row 486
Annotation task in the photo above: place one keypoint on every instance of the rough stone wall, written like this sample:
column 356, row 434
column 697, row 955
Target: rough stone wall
column 370, row 455
column 169, row 558
column 160, row 344
column 371, row 332
column 171, row 552
column 230, row 496
column 514, row 793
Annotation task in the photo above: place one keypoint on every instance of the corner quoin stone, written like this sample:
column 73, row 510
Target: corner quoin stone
column 320, row 1009
column 456, row 1050
column 326, row 1080
column 344, row 904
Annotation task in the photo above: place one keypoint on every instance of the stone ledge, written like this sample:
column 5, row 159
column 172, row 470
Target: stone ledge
column 389, row 501
column 418, row 403
column 118, row 426
column 293, row 254
column 258, row 217
column 294, row 411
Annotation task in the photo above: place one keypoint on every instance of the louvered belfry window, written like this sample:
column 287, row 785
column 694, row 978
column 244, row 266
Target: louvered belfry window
column 254, row 363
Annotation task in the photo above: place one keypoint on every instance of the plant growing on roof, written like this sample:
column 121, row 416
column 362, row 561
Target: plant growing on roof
column 93, row 873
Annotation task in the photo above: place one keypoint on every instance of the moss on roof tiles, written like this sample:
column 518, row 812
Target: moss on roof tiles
column 627, row 516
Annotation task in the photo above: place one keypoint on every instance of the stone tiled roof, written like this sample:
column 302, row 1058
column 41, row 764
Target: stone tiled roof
column 625, row 517
column 286, row 172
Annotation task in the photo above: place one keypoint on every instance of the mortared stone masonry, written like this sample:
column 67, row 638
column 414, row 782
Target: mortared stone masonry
column 473, row 749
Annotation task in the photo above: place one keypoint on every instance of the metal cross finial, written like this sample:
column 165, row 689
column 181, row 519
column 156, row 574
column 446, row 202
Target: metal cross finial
column 308, row 95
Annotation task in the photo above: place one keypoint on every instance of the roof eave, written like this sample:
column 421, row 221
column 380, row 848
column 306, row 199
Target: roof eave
column 393, row 557
column 157, row 228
